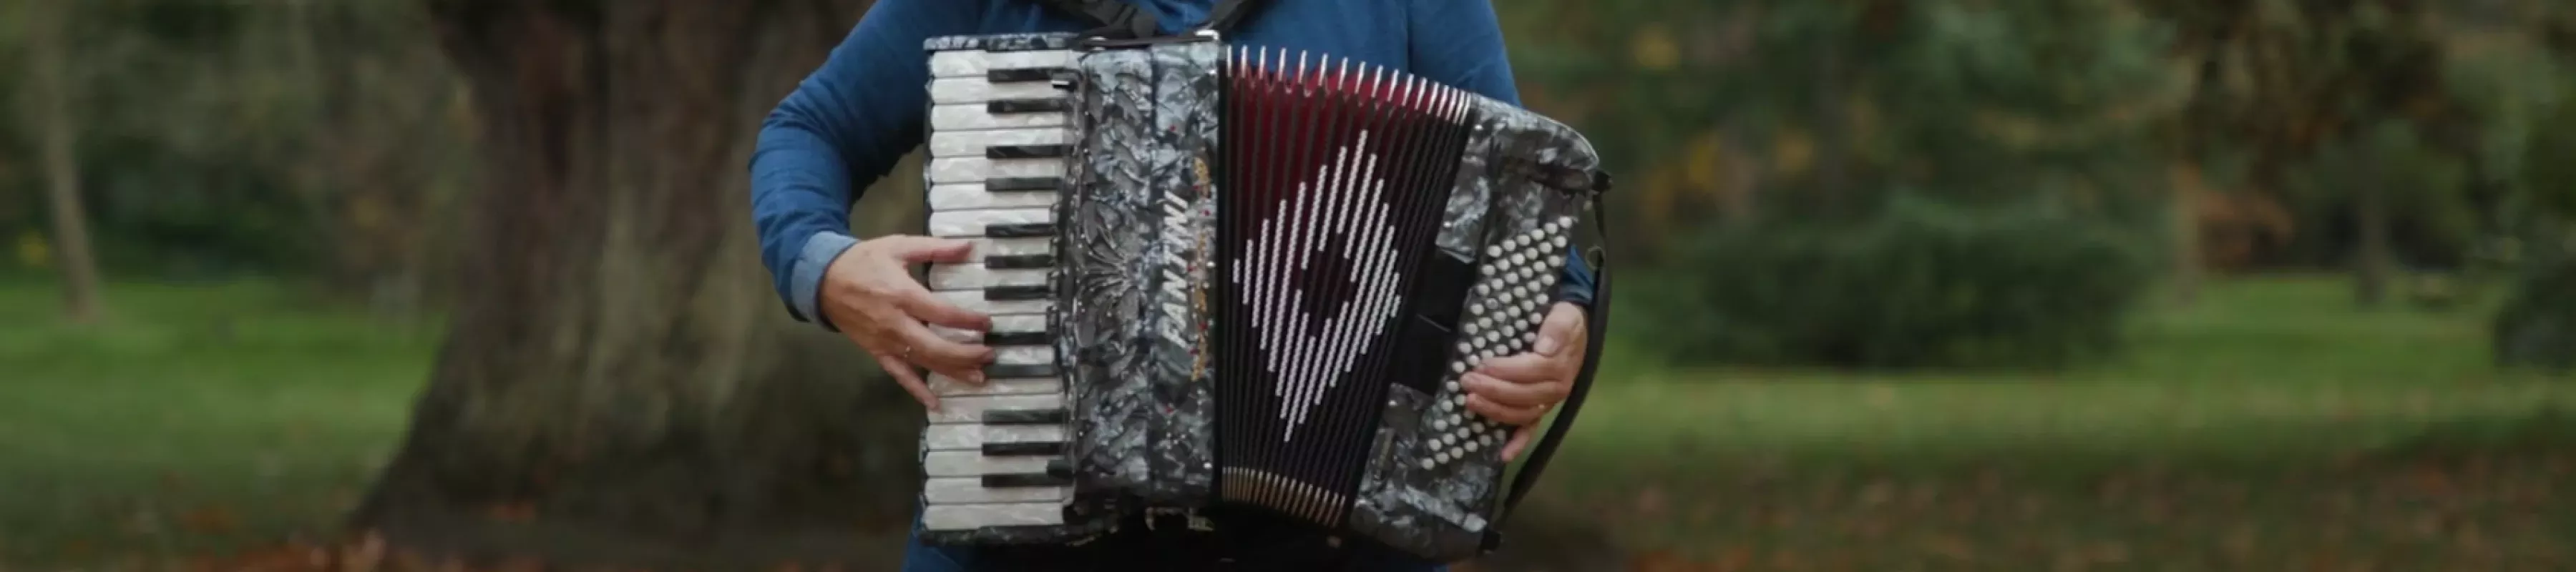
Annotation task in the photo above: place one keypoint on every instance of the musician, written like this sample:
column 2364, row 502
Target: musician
column 852, row 119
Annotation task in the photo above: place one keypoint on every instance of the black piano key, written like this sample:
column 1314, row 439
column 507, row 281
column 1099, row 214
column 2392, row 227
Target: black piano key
column 1048, row 105
column 1050, row 416
column 1010, row 75
column 1023, row 184
column 1025, row 480
column 1027, row 151
column 1018, row 371
column 1059, row 468
column 1017, row 338
column 1013, row 261
column 1016, row 293
column 1024, row 230
column 1024, row 449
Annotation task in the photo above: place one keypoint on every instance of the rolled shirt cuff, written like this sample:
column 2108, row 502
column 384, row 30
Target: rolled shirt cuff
column 1576, row 285
column 805, row 284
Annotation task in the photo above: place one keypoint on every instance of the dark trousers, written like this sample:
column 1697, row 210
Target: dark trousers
column 1240, row 542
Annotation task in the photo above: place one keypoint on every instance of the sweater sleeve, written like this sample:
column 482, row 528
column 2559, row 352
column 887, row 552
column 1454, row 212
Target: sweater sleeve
column 1460, row 43
column 842, row 128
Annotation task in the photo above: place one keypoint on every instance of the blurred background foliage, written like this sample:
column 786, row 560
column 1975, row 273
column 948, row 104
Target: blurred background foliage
column 2405, row 142
column 2120, row 256
column 1919, row 283
column 321, row 140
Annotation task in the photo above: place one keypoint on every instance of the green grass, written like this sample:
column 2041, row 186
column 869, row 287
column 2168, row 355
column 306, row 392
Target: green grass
column 197, row 418
column 2270, row 426
column 2257, row 369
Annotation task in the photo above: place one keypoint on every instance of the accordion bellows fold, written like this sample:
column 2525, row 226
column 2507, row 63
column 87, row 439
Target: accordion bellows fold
column 1232, row 276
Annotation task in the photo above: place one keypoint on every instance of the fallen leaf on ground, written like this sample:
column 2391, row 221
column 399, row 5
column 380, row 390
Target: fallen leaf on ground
column 209, row 520
column 1660, row 561
column 1735, row 559
column 514, row 513
column 1950, row 547
column 1651, row 501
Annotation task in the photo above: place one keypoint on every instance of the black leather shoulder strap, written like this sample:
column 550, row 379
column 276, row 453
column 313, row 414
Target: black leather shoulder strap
column 1228, row 14
column 1117, row 19
column 1123, row 20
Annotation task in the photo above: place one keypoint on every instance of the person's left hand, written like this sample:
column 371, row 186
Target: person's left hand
column 1520, row 389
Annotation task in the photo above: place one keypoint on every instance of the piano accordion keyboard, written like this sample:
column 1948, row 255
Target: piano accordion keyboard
column 995, row 453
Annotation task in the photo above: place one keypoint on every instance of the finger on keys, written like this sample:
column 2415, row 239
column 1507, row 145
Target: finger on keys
column 1519, row 368
column 910, row 380
column 917, row 249
column 1504, row 414
column 928, row 308
column 1537, row 393
column 1520, row 439
column 962, row 361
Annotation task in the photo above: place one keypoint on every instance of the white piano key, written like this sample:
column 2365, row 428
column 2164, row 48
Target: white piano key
column 1001, row 323
column 975, row 464
column 1005, row 355
column 971, row 408
column 973, row 143
column 1009, row 247
column 972, row 195
column 971, row 490
column 977, row 277
column 975, row 63
column 974, row 301
column 965, row 116
column 954, row 170
column 953, row 224
column 978, row 90
column 973, row 516
column 944, row 386
column 973, row 436
column 1024, row 355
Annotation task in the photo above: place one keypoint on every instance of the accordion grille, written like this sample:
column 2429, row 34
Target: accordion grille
column 1333, row 176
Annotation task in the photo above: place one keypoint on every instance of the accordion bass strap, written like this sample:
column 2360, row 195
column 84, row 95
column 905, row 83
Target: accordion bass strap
column 1596, row 329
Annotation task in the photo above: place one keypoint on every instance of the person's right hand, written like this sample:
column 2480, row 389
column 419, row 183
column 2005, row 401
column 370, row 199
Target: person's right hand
column 870, row 296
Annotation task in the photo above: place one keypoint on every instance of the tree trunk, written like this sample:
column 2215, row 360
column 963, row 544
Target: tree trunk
column 2373, row 266
column 49, row 107
column 619, row 384
column 2186, row 187
column 1833, row 145
column 2193, row 140
column 1743, row 174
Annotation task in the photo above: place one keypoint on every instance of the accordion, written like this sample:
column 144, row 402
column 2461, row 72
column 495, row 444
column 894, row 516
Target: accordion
column 1225, row 276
